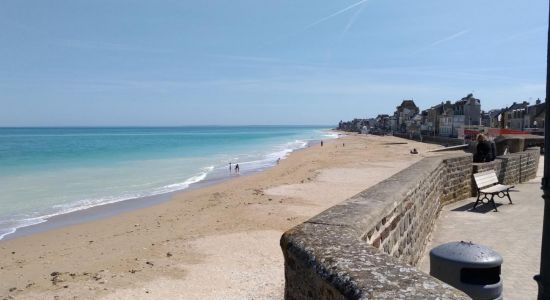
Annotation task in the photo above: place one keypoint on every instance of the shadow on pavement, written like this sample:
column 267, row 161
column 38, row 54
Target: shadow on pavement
column 481, row 208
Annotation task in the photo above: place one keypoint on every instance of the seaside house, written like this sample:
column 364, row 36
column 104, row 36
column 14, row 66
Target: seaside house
column 534, row 117
column 382, row 122
column 435, row 114
column 466, row 113
column 499, row 118
column 425, row 125
column 432, row 117
column 404, row 113
column 415, row 123
column 371, row 122
column 494, row 118
column 355, row 125
column 516, row 115
column 393, row 123
column 485, row 119
column 446, row 122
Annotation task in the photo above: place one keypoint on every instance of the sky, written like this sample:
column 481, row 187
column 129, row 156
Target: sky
column 244, row 62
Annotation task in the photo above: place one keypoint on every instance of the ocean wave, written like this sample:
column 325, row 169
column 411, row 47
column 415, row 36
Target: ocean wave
column 250, row 160
column 332, row 135
column 183, row 185
column 10, row 226
column 270, row 159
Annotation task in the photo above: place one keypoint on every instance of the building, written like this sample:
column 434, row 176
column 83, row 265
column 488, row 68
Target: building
column 534, row 117
column 355, row 125
column 433, row 118
column 517, row 114
column 393, row 123
column 426, row 128
column 495, row 117
column 445, row 123
column 404, row 113
column 382, row 122
column 485, row 119
column 414, row 125
column 466, row 113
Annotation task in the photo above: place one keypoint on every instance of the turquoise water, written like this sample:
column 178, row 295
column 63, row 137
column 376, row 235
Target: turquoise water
column 49, row 171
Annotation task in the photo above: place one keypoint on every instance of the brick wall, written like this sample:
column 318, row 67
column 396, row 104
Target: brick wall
column 441, row 140
column 364, row 247
column 511, row 168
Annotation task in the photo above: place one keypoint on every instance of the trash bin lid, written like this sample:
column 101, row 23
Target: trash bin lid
column 467, row 254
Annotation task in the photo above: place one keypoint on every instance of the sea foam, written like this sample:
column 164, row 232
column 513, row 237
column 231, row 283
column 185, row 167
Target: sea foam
column 115, row 178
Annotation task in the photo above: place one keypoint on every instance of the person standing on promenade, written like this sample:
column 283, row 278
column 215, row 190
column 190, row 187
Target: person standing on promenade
column 483, row 153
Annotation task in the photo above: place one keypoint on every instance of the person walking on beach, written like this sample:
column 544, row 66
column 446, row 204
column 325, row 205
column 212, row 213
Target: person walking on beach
column 321, row 143
column 237, row 169
column 230, row 167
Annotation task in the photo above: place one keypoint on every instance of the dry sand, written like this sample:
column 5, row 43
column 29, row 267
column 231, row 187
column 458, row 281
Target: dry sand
column 217, row 242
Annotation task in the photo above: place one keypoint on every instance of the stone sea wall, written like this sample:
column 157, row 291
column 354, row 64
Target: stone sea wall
column 366, row 246
column 511, row 168
column 440, row 140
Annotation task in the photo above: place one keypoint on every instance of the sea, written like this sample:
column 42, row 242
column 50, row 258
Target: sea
column 47, row 172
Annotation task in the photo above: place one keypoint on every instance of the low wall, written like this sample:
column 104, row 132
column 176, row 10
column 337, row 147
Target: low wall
column 440, row 140
column 361, row 248
column 511, row 168
column 365, row 247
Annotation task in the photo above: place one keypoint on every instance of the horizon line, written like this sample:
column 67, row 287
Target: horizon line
column 167, row 126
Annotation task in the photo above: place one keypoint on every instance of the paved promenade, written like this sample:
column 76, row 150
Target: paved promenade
column 514, row 232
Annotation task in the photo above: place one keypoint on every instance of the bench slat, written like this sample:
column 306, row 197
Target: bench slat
column 484, row 176
column 495, row 189
column 491, row 172
column 485, row 184
column 485, row 179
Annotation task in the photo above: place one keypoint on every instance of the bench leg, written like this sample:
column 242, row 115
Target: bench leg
column 493, row 201
column 477, row 201
column 508, row 195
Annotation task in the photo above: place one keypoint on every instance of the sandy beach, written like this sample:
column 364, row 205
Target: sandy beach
column 216, row 242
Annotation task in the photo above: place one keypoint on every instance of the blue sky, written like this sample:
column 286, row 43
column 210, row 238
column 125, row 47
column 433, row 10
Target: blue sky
column 117, row 62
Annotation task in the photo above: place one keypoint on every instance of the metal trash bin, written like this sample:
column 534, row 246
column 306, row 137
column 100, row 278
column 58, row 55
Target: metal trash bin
column 471, row 268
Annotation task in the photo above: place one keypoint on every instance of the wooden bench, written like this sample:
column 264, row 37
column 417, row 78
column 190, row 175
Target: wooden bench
column 487, row 184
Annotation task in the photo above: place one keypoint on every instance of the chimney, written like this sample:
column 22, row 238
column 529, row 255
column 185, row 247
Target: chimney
column 538, row 101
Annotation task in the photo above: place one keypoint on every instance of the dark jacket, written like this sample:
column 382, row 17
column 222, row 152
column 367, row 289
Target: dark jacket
column 485, row 152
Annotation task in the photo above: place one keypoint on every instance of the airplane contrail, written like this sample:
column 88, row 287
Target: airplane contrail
column 451, row 37
column 352, row 19
column 343, row 10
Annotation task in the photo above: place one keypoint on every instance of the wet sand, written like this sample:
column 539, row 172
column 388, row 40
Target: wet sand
column 216, row 242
